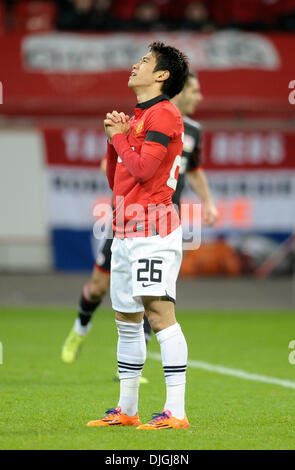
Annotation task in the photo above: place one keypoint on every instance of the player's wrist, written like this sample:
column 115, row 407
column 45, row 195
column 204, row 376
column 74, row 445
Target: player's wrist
column 115, row 135
column 208, row 202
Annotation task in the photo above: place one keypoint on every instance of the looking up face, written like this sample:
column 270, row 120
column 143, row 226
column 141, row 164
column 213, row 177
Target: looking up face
column 142, row 74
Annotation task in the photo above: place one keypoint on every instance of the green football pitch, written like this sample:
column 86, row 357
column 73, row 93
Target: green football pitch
column 240, row 383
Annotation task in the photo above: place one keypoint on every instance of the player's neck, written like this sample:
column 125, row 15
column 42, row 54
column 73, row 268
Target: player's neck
column 144, row 95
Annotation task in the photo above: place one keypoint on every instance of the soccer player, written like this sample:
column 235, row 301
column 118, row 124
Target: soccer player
column 187, row 101
column 143, row 158
column 98, row 285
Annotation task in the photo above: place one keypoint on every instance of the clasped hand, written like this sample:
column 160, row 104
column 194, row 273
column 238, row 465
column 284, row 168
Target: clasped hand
column 116, row 123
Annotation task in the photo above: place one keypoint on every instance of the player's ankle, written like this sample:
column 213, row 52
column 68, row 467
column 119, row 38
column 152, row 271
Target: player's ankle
column 82, row 330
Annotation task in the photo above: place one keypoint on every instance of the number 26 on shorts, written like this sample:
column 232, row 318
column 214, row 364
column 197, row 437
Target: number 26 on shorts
column 149, row 271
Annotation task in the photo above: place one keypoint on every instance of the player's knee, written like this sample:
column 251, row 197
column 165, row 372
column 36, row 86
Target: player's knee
column 154, row 322
column 157, row 322
column 129, row 317
column 97, row 290
column 160, row 312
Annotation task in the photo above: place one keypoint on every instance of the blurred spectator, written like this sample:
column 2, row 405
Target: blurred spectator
column 34, row 15
column 125, row 10
column 85, row 15
column 75, row 15
column 146, row 17
column 103, row 18
column 195, row 17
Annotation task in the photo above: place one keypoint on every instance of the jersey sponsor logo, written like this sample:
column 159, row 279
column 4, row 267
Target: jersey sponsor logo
column 139, row 128
column 188, row 143
column 144, row 284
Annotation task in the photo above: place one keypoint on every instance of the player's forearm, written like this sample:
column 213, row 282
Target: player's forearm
column 111, row 164
column 198, row 181
column 141, row 166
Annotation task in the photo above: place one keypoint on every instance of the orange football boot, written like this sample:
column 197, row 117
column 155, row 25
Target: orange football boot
column 115, row 417
column 165, row 420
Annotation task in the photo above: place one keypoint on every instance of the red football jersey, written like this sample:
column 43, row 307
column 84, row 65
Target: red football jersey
column 156, row 130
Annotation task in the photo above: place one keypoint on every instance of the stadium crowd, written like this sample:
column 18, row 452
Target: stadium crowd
column 146, row 15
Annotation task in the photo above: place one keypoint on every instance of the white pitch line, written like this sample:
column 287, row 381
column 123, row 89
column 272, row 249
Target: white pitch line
column 241, row 374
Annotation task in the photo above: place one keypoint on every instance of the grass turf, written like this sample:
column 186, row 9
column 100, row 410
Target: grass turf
column 45, row 404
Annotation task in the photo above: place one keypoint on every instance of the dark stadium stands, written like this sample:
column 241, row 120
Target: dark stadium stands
column 32, row 16
column 147, row 15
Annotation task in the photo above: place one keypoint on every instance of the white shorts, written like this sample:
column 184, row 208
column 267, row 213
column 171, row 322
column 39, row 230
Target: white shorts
column 143, row 266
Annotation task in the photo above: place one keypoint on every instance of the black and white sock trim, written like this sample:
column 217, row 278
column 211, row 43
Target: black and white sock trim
column 171, row 370
column 127, row 367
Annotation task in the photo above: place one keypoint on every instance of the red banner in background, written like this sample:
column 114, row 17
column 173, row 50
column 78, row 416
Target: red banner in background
column 67, row 73
column 221, row 150
column 248, row 150
column 74, row 146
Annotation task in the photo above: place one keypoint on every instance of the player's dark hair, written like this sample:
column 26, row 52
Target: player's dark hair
column 171, row 59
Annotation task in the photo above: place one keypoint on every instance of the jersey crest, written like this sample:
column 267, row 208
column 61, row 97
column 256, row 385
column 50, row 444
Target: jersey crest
column 138, row 128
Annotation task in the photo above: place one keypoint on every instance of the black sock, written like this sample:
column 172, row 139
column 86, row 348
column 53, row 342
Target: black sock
column 147, row 329
column 86, row 309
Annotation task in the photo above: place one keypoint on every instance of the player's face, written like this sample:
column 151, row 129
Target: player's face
column 143, row 72
column 191, row 96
